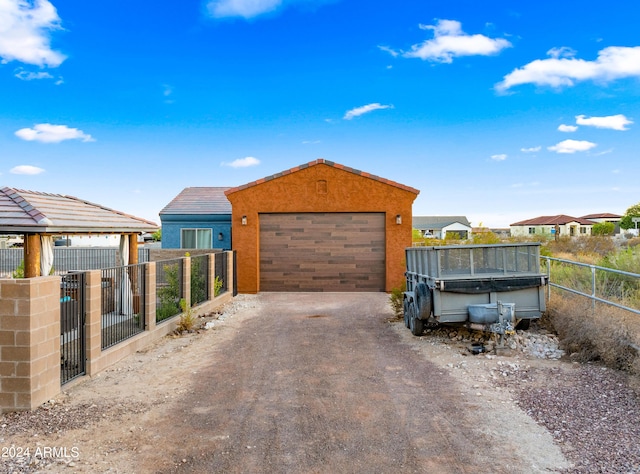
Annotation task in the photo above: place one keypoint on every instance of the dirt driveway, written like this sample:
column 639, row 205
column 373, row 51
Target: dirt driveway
column 304, row 383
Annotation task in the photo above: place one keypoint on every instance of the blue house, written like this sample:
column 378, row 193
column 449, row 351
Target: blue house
column 197, row 218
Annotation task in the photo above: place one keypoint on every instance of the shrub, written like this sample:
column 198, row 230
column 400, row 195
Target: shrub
column 396, row 299
column 603, row 334
column 169, row 295
column 187, row 319
column 217, row 286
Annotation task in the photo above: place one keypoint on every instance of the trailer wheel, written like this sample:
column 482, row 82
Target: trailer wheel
column 416, row 325
column 424, row 301
column 405, row 310
column 523, row 324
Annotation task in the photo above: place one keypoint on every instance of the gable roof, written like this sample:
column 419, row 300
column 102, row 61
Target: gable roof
column 438, row 222
column 36, row 212
column 322, row 161
column 199, row 200
column 602, row 215
column 560, row 219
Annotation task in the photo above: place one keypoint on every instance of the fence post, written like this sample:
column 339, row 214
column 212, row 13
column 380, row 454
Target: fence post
column 186, row 280
column 150, row 296
column 593, row 286
column 231, row 277
column 29, row 342
column 93, row 321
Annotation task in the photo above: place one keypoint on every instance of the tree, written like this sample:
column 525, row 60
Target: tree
column 626, row 222
column 603, row 228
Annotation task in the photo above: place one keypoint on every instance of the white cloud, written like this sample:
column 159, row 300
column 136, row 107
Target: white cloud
column 253, row 8
column 614, row 62
column 243, row 162
column 531, row 150
column 365, row 109
column 500, row 157
column 26, row 169
column 387, row 49
column 450, row 41
column 30, row 76
column 24, row 32
column 572, row 146
column 48, row 133
column 567, row 128
column 613, row 122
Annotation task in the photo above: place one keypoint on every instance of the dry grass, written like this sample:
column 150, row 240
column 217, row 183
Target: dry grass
column 605, row 334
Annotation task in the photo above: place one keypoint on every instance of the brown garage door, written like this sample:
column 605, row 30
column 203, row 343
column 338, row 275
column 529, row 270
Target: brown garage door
column 322, row 252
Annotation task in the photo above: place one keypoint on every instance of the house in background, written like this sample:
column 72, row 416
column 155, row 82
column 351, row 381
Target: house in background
column 197, row 218
column 606, row 217
column 439, row 226
column 553, row 225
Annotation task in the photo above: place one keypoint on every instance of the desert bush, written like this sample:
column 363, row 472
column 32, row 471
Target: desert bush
column 396, row 299
column 217, row 285
column 187, row 319
column 585, row 246
column 169, row 295
column 485, row 238
column 604, row 333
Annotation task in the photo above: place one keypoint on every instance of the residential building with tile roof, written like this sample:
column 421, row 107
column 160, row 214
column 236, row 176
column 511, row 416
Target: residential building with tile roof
column 553, row 225
column 198, row 217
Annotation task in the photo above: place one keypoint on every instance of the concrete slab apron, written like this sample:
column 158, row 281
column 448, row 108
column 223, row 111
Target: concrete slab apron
column 320, row 382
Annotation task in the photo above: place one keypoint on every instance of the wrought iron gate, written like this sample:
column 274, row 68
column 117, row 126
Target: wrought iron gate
column 72, row 330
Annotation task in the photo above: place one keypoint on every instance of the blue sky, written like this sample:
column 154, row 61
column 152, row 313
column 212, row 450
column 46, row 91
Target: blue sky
column 497, row 110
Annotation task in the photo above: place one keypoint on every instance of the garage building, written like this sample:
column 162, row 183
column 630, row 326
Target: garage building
column 321, row 226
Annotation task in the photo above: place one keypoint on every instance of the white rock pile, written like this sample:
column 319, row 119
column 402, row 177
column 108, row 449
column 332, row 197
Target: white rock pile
column 535, row 342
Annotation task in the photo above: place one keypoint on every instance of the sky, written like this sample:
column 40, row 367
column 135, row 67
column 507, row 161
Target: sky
column 497, row 110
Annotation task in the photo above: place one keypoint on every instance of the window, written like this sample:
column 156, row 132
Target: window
column 196, row 239
column 532, row 230
column 583, row 230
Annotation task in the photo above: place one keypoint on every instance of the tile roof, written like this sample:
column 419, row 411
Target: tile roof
column 199, row 200
column 437, row 222
column 322, row 161
column 31, row 211
column 602, row 215
column 553, row 220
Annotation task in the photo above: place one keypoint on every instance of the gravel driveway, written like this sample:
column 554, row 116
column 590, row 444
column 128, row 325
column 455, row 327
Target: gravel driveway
column 318, row 383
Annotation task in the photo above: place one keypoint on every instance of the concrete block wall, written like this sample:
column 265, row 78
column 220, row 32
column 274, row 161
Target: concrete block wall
column 30, row 333
column 29, row 342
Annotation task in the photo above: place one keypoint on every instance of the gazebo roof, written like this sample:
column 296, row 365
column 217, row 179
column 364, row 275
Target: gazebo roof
column 43, row 213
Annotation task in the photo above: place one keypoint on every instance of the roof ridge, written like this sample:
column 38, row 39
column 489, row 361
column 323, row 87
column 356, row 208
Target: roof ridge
column 321, row 161
column 18, row 199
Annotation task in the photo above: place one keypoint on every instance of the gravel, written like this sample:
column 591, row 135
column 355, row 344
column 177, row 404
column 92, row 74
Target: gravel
column 593, row 413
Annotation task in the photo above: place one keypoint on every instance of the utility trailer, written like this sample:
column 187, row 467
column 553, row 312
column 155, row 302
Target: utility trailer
column 495, row 288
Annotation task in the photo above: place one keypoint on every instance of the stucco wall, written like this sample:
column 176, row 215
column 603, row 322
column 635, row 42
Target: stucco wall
column 319, row 188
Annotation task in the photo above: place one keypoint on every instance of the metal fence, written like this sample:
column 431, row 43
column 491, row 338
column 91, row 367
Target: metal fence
column 123, row 290
column 600, row 284
column 220, row 269
column 199, row 279
column 72, row 323
column 67, row 259
column 169, row 278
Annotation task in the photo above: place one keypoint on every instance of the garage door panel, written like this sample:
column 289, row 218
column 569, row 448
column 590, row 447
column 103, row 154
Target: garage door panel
column 322, row 252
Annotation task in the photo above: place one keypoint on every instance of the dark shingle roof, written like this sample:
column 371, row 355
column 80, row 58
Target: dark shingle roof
column 199, row 200
column 30, row 211
column 553, row 220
